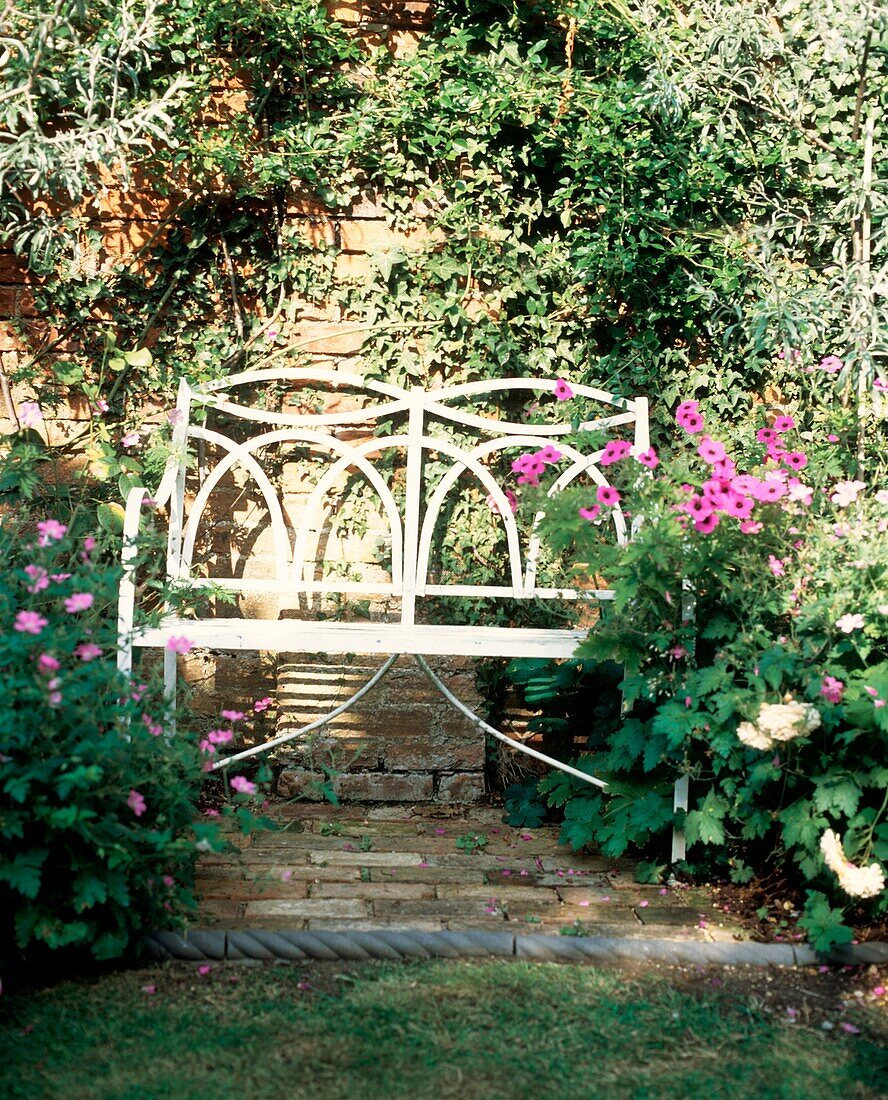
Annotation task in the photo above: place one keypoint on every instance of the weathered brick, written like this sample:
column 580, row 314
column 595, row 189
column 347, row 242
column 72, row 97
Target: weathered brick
column 367, row 235
column 408, row 787
column 365, row 859
column 307, row 908
column 463, row 786
column 373, row 890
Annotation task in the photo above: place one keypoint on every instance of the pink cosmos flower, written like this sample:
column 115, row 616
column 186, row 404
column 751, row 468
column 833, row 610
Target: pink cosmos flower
column 849, row 623
column 29, row 622
column 80, row 601
column 590, row 513
column 262, row 704
column 136, row 803
column 783, row 424
column 242, row 784
column 562, row 390
column 832, row 689
column 648, row 458
column 607, row 495
column 50, row 530
column 233, row 715
column 846, row 492
column 38, row 577
column 776, row 566
column 710, row 450
column 614, row 451
column 178, row 644
column 29, row 414
column 88, row 651
column 832, row 364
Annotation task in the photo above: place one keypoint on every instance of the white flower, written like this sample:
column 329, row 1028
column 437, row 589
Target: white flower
column 859, row 882
column 751, row 735
column 203, row 845
column 846, row 492
column 849, row 623
column 786, row 721
column 29, row 414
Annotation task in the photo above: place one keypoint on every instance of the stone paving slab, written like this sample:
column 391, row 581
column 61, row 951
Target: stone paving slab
column 363, row 867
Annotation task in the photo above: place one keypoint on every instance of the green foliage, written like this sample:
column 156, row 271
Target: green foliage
column 97, row 804
column 523, row 805
column 472, row 842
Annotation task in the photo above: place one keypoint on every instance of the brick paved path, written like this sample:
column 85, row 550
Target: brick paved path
column 364, row 867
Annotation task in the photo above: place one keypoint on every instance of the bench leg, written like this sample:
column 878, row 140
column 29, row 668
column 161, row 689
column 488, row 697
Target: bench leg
column 169, row 688
column 680, row 802
column 318, row 722
column 499, row 735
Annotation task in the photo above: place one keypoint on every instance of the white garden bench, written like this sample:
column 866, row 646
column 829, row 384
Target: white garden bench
column 434, row 422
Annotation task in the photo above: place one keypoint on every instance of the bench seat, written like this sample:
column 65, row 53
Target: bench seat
column 333, row 636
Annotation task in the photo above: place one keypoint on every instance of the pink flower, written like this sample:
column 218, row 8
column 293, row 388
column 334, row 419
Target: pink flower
column 881, row 385
column 776, row 566
column 549, row 455
column 648, row 458
column 687, row 407
column 562, row 390
column 590, row 513
column 39, row 578
column 832, row 364
column 88, row 651
column 607, row 495
column 677, row 652
column 614, row 451
column 710, row 450
column 262, row 704
column 784, row 424
column 220, row 737
column 738, row 506
column 691, row 422
column 832, row 689
column 707, row 524
column 799, row 492
column 29, row 622
column 50, row 530
column 178, row 644
column 750, row 527
column 80, row 601
column 136, row 803
column 511, row 498
column 47, row 664
column 29, row 414
column 770, row 490
column 204, row 970
column 766, row 435
column 796, row 460
column 242, row 784
column 153, row 728
column 833, row 438
column 849, row 623
column 846, row 492
column 233, row 715
column 130, row 439
column 58, row 578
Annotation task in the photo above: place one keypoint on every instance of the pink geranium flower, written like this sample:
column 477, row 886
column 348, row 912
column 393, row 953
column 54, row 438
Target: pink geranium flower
column 50, row 530
column 710, row 450
column 706, row 524
column 692, row 422
column 220, row 737
column 846, row 492
column 784, row 424
column 739, row 506
column 80, row 601
column 243, row 785
column 776, row 566
column 590, row 513
column 130, row 439
column 614, row 451
column 511, row 499
column 796, row 460
column 549, row 455
column 607, row 495
column 262, row 704
column 832, row 364
column 178, row 644
column 38, row 577
column 687, row 407
column 233, row 715
column 832, row 689
column 88, row 651
column 29, row 622
column 648, row 458
column 562, row 390
column 849, row 623
column 136, row 803
column 750, row 527
column 29, row 414
column 47, row 664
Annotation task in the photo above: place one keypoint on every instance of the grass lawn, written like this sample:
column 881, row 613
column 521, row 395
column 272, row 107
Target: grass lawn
column 440, row 1029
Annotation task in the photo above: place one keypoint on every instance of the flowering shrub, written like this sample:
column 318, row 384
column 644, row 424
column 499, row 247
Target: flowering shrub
column 97, row 806
column 751, row 618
